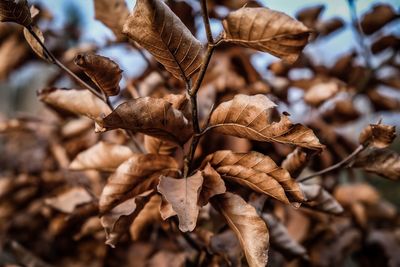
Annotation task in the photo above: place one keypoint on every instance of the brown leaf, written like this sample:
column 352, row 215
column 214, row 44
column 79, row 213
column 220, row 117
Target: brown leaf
column 149, row 214
column 227, row 244
column 383, row 162
column 70, row 199
column 212, row 185
column 375, row 19
column 259, row 163
column 329, row 26
column 377, row 135
column 349, row 194
column 155, row 27
column 35, row 45
column 113, row 13
column 116, row 222
column 319, row 199
column 309, row 15
column 295, row 162
column 250, row 229
column 135, row 176
column 157, row 146
column 281, row 239
column 388, row 41
column 15, row 11
column 183, row 195
column 251, row 117
column 321, row 92
column 152, row 116
column 266, row 30
column 104, row 72
column 167, row 259
column 80, row 102
column 102, row 157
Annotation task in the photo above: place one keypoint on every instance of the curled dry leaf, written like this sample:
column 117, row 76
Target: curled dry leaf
column 155, row 27
column 212, row 185
column 183, row 195
column 259, row 163
column 295, row 162
column 15, row 11
column 377, row 135
column 383, row 162
column 281, row 239
column 102, row 157
column 251, row 117
column 152, row 116
column 35, row 45
column 116, row 222
column 319, row 199
column 379, row 16
column 80, row 102
column 135, row 176
column 69, row 200
column 113, row 13
column 250, row 229
column 104, row 72
column 157, row 146
column 268, row 31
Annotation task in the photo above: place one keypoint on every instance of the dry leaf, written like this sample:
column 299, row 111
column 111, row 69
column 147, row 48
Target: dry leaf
column 349, row 194
column 329, row 26
column 148, row 215
column 250, row 229
column 212, row 185
column 104, row 72
column 152, row 116
column 268, row 31
column 319, row 199
column 385, row 42
column 227, row 244
column 167, row 259
column 155, row 27
column 383, row 162
column 183, row 195
column 257, row 162
column 135, row 176
column 157, row 146
column 281, row 239
column 251, row 117
column 377, row 135
column 102, row 157
column 35, row 45
column 309, row 15
column 113, row 13
column 116, row 222
column 295, row 162
column 321, row 92
column 80, row 102
column 15, row 11
column 70, row 199
column 375, row 19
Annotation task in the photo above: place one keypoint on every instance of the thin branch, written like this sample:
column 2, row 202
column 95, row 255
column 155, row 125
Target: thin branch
column 338, row 165
column 206, row 21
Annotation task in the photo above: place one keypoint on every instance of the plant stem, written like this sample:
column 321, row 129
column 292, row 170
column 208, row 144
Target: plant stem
column 338, row 165
column 206, row 21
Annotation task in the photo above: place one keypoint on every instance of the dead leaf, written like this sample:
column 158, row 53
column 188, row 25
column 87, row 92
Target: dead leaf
column 259, row 163
column 158, row 146
column 152, row 116
column 148, row 215
column 212, row 185
column 385, row 42
column 250, row 229
column 35, row 45
column 102, row 157
column 383, row 162
column 251, row 117
column 69, row 200
column 135, row 176
column 183, row 195
column 113, row 13
column 104, row 72
column 377, row 135
column 329, row 26
column 309, row 15
column 319, row 199
column 80, row 102
column 360, row 192
column 15, row 11
column 167, row 259
column 227, row 245
column 266, row 30
column 281, row 239
column 155, row 27
column 375, row 19
column 321, row 92
column 295, row 162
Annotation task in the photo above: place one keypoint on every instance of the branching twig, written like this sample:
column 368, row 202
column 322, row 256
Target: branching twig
column 338, row 165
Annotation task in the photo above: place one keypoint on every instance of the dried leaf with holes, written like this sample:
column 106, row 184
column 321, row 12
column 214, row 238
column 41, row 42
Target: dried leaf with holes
column 102, row 157
column 104, row 72
column 319, row 199
column 183, row 195
column 80, row 102
column 281, row 239
column 268, row 31
column 135, row 176
column 152, row 116
column 377, row 135
column 383, row 162
column 259, row 163
column 251, row 117
column 250, row 229
column 113, row 14
column 15, row 11
column 155, row 27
